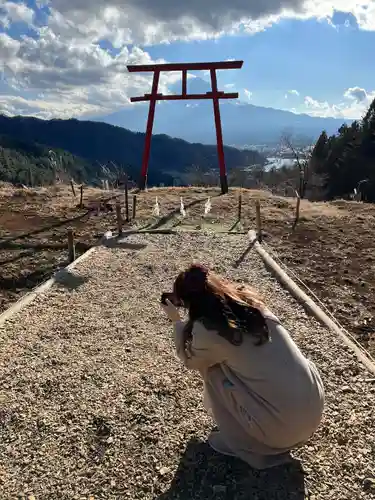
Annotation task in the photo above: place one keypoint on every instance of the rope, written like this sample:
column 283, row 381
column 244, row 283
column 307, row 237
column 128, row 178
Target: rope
column 323, row 306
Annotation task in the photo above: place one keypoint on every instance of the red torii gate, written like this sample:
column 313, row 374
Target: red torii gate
column 215, row 95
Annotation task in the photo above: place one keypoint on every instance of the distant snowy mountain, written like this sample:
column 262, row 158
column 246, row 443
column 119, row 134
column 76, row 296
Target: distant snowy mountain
column 242, row 123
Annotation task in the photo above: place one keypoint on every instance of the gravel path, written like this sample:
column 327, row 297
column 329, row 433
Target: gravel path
column 94, row 405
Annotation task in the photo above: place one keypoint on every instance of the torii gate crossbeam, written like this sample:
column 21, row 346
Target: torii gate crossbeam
column 215, row 95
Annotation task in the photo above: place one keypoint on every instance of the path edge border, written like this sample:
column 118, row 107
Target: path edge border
column 307, row 302
column 29, row 297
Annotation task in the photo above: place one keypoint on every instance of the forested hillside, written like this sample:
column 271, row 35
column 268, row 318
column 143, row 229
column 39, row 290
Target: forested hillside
column 83, row 145
column 338, row 166
column 29, row 163
column 346, row 161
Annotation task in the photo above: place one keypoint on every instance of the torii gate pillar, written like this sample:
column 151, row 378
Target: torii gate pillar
column 215, row 95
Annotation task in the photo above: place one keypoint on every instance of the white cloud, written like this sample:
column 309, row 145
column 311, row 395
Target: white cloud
column 12, row 12
column 320, row 108
column 75, row 77
column 153, row 21
column 8, row 47
column 356, row 94
column 66, row 58
column 47, row 107
column 291, row 92
column 248, row 94
column 354, row 105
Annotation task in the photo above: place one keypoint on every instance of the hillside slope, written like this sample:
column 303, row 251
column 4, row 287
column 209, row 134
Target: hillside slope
column 30, row 163
column 100, row 142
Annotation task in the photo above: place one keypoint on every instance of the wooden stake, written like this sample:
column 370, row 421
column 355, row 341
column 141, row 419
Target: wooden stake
column 297, row 211
column 258, row 220
column 73, row 189
column 240, row 206
column 81, row 198
column 134, row 206
column 119, row 217
column 126, row 199
column 71, row 246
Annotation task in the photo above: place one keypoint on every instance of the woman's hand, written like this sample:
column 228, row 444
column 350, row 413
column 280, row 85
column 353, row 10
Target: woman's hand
column 171, row 311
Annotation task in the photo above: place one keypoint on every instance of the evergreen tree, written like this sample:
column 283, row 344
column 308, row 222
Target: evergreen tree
column 346, row 161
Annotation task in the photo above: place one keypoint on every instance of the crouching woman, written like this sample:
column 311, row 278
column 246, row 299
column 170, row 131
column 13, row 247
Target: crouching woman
column 264, row 395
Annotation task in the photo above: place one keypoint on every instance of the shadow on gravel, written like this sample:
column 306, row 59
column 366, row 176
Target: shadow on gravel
column 239, row 261
column 121, row 242
column 237, row 223
column 204, row 474
column 69, row 280
column 29, row 280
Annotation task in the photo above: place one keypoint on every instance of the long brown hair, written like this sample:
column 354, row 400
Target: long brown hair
column 221, row 305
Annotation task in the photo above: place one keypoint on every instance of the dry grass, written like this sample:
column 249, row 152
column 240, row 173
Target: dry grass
column 225, row 207
column 28, row 210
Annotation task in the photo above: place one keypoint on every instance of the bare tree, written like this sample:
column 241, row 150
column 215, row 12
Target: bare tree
column 303, row 163
column 238, row 177
column 362, row 189
column 258, row 174
column 196, row 176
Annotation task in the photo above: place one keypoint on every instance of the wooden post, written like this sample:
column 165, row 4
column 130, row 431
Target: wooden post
column 126, row 199
column 297, row 211
column 71, row 246
column 119, row 217
column 73, row 189
column 134, row 206
column 240, row 206
column 219, row 133
column 149, row 126
column 258, row 220
column 81, row 198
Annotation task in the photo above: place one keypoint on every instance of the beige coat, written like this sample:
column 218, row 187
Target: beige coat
column 265, row 399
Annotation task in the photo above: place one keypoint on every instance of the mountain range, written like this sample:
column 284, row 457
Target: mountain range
column 243, row 123
column 83, row 146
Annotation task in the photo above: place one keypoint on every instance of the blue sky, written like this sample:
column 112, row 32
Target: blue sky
column 283, row 58
column 65, row 58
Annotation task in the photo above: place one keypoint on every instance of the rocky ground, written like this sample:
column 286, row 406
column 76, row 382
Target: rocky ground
column 94, row 404
column 332, row 249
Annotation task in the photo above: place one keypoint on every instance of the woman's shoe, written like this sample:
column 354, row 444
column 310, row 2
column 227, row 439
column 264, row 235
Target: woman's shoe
column 218, row 444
